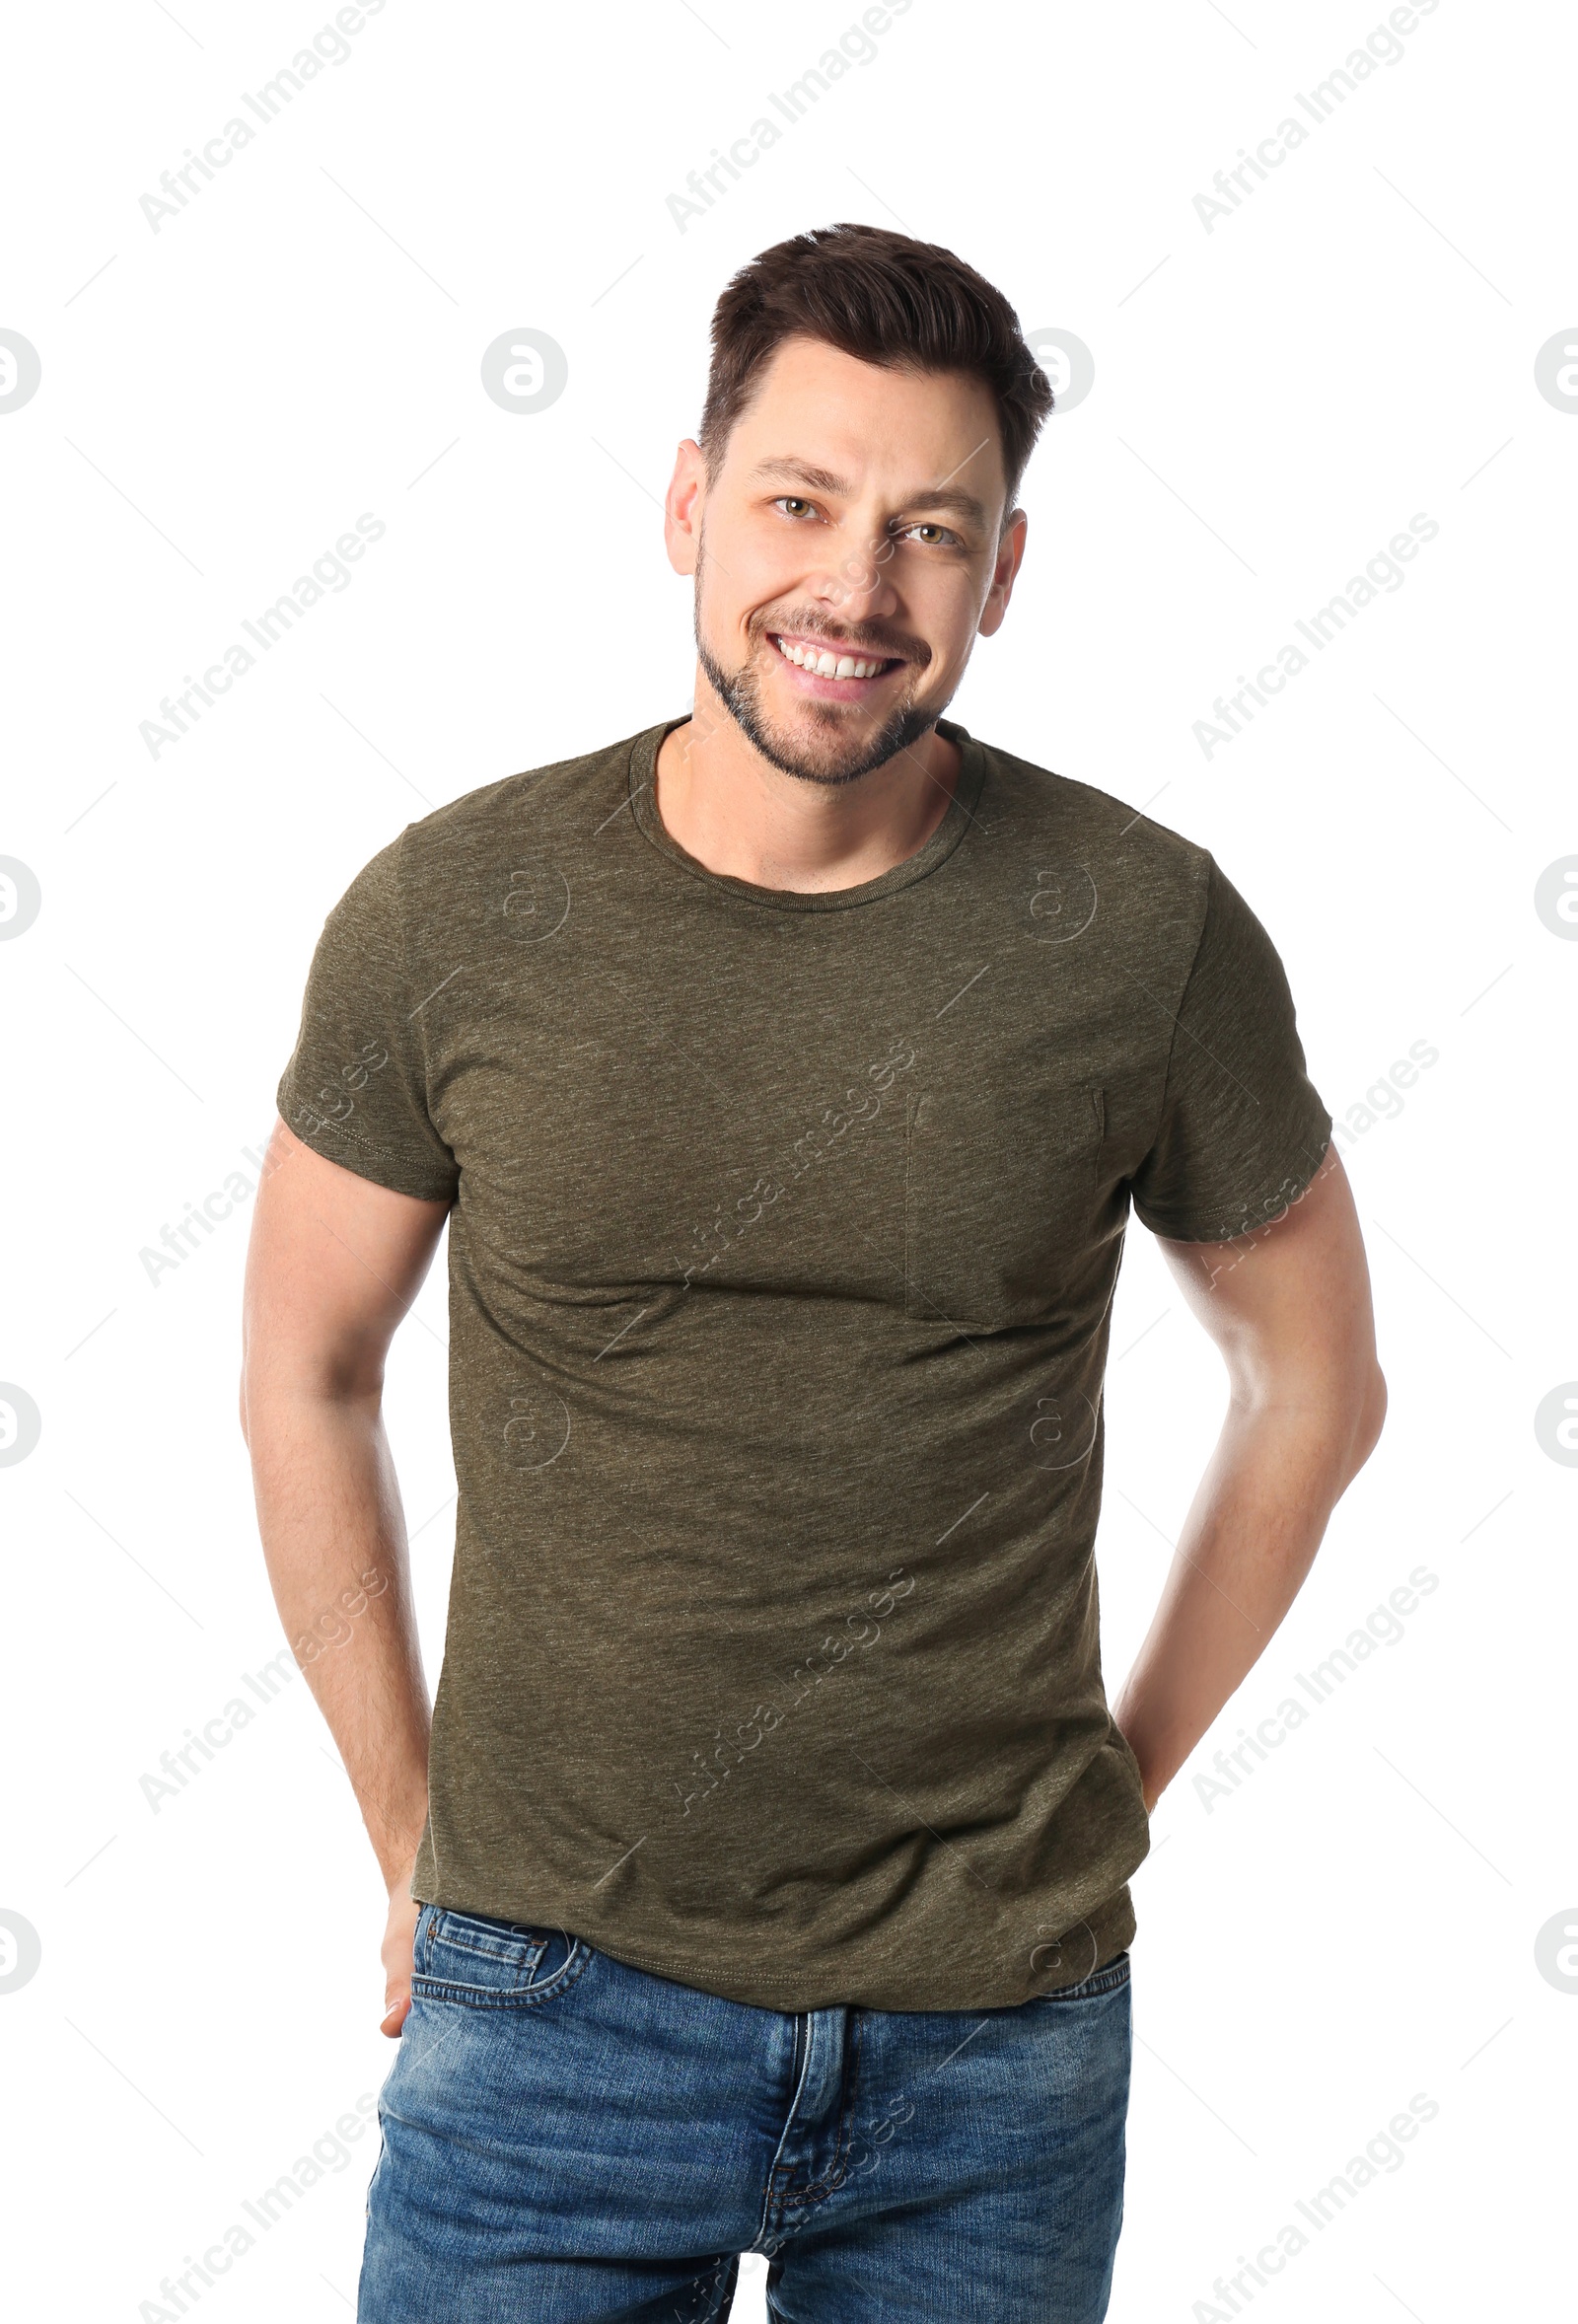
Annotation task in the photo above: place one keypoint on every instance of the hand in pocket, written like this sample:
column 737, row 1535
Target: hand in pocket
column 398, row 1950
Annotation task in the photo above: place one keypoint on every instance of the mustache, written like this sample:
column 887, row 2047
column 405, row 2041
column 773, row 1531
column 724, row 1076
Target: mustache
column 870, row 643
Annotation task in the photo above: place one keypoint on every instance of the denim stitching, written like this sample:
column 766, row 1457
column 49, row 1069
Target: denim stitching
column 1099, row 1981
column 838, row 2169
column 480, row 1997
column 518, row 1952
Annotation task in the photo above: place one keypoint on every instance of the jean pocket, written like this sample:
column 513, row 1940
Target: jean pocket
column 1106, row 1980
column 494, row 1964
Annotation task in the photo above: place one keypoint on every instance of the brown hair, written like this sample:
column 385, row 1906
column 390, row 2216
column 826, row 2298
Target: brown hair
column 887, row 299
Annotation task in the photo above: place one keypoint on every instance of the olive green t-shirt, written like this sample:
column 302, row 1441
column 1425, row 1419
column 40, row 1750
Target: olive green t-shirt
column 783, row 1242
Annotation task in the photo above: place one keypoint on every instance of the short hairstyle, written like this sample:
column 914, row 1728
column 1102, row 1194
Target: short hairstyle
column 887, row 299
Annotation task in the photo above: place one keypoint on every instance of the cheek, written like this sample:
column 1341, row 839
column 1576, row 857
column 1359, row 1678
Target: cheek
column 746, row 574
column 947, row 614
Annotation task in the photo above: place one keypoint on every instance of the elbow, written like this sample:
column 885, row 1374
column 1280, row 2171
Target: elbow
column 1369, row 1419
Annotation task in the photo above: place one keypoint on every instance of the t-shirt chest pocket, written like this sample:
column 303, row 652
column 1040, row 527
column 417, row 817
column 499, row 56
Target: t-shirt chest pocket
column 1002, row 1194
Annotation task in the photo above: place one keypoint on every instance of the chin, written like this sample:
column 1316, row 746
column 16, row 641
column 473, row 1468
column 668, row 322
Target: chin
column 825, row 743
column 833, row 750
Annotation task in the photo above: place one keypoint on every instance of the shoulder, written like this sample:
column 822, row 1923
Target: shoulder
column 1143, row 871
column 542, row 810
column 1034, row 801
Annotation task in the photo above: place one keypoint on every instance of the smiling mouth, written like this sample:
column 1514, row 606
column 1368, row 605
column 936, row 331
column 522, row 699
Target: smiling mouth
column 818, row 661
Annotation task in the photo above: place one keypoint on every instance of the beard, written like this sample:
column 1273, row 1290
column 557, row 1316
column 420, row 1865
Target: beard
column 842, row 744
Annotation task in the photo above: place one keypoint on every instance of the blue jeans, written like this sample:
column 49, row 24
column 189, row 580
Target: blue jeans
column 568, row 2137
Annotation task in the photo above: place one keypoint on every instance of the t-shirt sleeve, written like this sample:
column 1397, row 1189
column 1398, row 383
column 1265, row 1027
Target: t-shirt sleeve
column 356, row 1087
column 1242, row 1129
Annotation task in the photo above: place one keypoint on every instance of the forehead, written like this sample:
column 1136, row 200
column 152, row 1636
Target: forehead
column 895, row 433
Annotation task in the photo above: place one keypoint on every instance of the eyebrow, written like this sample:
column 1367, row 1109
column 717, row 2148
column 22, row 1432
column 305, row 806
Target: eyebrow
column 821, row 479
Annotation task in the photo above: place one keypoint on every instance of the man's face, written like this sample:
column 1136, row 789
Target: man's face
column 847, row 555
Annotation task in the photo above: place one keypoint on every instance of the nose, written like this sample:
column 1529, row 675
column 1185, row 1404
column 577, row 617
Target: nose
column 860, row 586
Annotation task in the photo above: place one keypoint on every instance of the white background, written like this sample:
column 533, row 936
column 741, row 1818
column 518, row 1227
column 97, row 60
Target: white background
column 1274, row 400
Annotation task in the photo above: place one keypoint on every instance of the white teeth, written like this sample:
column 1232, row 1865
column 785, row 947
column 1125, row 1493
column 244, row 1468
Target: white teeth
column 824, row 664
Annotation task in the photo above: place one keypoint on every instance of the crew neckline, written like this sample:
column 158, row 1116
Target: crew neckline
column 641, row 788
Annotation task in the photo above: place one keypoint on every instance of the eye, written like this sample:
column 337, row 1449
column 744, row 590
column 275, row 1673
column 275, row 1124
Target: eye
column 940, row 537
column 793, row 506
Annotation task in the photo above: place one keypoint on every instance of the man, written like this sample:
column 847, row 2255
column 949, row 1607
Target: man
column 785, row 1074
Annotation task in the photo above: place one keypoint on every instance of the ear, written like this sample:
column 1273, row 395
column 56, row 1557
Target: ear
column 683, row 505
column 1010, row 556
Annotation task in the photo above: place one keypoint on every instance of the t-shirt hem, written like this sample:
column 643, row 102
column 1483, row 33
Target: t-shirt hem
column 356, row 1154
column 1270, row 1199
column 1110, row 1931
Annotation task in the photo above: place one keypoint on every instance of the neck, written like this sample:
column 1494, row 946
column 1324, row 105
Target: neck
column 741, row 816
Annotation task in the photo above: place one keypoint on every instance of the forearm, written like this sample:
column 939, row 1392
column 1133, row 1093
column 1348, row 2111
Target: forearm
column 1245, row 1548
column 334, row 1535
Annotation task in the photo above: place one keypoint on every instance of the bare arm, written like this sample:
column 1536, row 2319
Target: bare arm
column 334, row 1264
column 1289, row 1309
